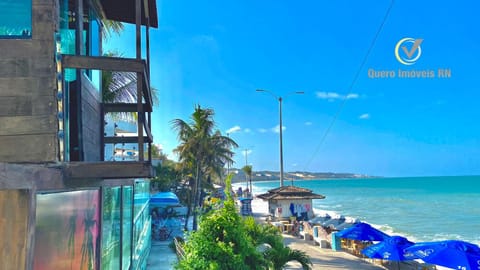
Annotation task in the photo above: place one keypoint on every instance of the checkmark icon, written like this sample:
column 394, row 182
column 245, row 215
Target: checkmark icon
column 414, row 48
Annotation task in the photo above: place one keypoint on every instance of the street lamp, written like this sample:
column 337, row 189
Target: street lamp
column 279, row 98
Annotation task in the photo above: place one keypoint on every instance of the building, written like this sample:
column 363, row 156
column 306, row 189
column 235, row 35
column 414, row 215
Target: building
column 65, row 201
column 287, row 201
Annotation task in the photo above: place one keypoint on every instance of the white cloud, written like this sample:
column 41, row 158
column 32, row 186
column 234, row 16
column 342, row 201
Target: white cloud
column 233, row 129
column 364, row 116
column 262, row 130
column 352, row 96
column 327, row 95
column 247, row 130
column 331, row 96
column 276, row 128
column 308, row 123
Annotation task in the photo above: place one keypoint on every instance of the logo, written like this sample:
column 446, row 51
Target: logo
column 408, row 50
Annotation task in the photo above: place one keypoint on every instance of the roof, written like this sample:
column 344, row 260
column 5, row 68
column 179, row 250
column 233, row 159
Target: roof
column 164, row 198
column 124, row 11
column 290, row 192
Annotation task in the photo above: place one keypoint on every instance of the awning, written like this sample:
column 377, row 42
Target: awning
column 164, row 198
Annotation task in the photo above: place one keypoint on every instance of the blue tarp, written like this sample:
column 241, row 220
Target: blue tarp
column 164, row 198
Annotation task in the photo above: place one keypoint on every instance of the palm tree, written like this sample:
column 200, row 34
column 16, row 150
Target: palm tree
column 121, row 87
column 247, row 169
column 280, row 256
column 109, row 26
column 270, row 242
column 202, row 151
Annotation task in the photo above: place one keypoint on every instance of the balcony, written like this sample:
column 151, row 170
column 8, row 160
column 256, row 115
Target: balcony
column 92, row 162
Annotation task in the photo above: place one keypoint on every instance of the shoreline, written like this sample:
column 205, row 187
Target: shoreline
column 419, row 209
column 326, row 257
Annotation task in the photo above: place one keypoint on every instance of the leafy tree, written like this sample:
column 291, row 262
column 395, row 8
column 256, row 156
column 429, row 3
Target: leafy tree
column 277, row 254
column 227, row 241
column 221, row 243
column 202, row 152
column 167, row 177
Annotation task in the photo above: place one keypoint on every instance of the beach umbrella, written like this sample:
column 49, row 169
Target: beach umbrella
column 362, row 231
column 392, row 248
column 450, row 253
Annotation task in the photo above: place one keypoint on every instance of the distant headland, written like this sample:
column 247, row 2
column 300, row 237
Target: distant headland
column 239, row 175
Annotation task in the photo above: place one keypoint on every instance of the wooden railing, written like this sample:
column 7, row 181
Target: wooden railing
column 179, row 249
column 142, row 107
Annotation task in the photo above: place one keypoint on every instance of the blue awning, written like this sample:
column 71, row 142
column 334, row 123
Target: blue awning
column 164, row 198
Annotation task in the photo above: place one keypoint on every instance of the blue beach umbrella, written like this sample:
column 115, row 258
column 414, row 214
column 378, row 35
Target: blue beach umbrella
column 450, row 253
column 362, row 231
column 392, row 249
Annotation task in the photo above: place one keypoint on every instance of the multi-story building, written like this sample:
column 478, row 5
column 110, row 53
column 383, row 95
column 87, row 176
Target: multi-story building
column 66, row 202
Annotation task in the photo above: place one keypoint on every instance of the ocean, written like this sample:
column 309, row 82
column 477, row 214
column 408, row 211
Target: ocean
column 419, row 208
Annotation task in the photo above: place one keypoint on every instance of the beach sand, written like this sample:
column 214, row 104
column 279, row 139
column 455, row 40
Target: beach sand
column 322, row 258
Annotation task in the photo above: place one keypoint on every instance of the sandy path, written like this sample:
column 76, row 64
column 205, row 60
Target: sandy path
column 321, row 258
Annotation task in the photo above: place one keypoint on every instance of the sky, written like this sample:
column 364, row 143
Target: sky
column 364, row 110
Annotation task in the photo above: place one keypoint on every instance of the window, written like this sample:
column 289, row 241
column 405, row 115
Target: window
column 127, row 226
column 111, row 228
column 16, row 19
column 67, row 230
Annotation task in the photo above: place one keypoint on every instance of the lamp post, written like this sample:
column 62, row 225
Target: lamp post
column 280, row 99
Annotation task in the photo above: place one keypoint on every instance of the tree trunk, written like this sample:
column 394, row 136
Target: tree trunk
column 196, row 200
column 189, row 211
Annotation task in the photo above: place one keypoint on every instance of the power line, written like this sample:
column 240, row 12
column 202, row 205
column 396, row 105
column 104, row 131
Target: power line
column 355, row 78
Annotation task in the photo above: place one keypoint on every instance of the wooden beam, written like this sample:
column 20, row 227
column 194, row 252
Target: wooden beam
column 119, row 139
column 15, row 106
column 148, row 132
column 138, row 22
column 26, row 176
column 147, row 92
column 71, row 176
column 109, row 170
column 123, row 107
column 27, row 125
column 103, row 63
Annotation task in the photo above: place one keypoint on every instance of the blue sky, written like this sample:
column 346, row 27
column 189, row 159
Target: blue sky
column 217, row 53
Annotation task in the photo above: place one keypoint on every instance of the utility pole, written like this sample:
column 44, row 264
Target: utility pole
column 280, row 99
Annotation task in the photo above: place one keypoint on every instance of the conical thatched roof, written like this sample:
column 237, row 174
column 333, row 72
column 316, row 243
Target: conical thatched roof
column 289, row 193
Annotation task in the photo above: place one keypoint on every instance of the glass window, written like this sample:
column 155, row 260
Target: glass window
column 94, row 48
column 127, row 226
column 111, row 228
column 16, row 19
column 142, row 228
column 67, row 230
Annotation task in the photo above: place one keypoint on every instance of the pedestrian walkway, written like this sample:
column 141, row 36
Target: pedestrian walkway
column 162, row 257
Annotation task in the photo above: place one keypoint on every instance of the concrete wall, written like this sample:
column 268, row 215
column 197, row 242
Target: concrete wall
column 274, row 205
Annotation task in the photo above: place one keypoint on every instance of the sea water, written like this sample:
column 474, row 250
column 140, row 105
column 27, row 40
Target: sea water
column 420, row 208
